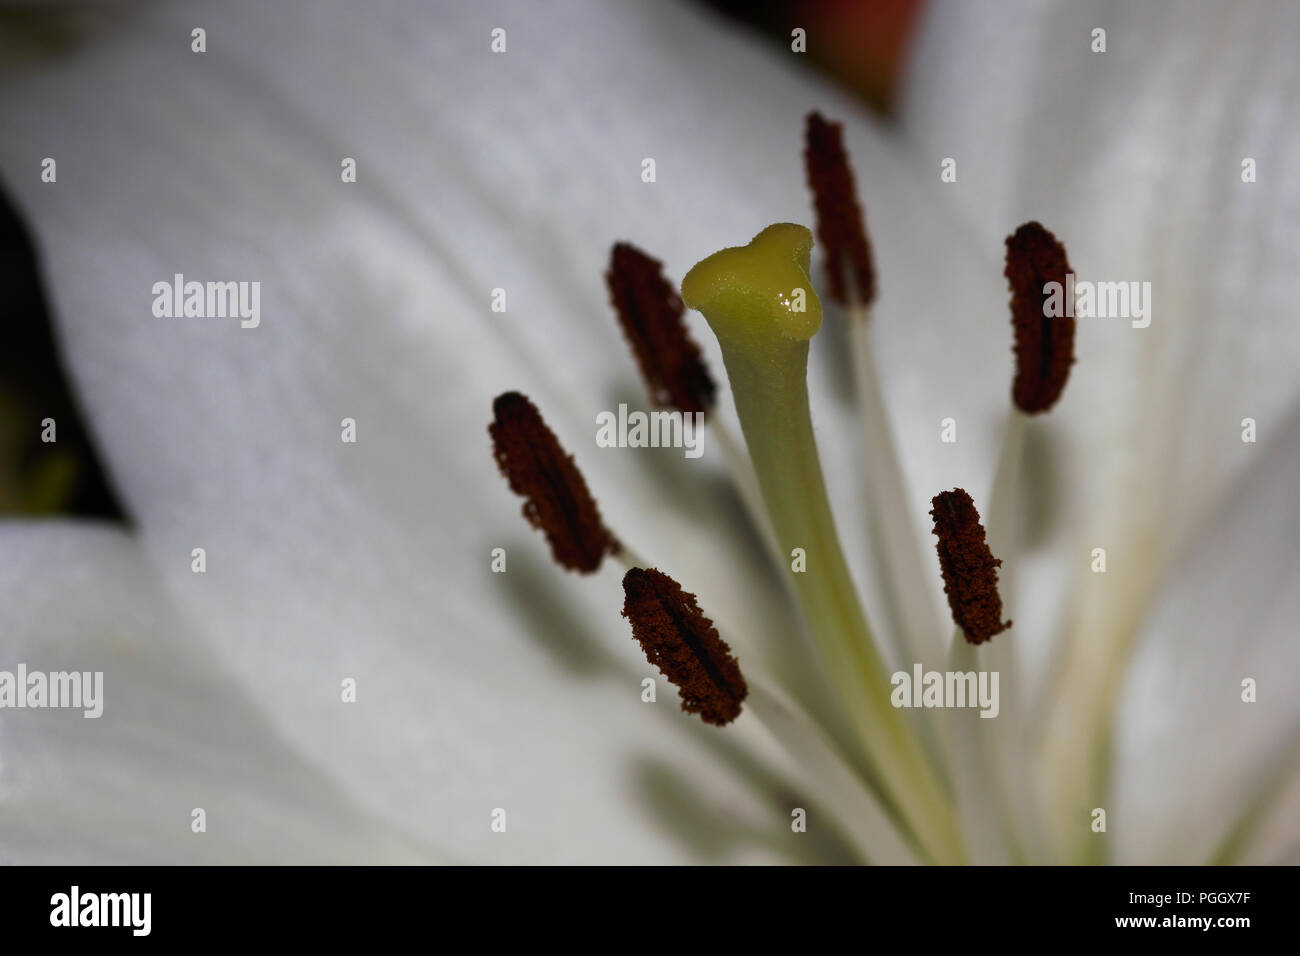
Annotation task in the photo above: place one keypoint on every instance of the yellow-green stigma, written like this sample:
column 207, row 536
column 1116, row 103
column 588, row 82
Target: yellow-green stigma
column 759, row 290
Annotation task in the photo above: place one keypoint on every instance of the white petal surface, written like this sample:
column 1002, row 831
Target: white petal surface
column 1191, row 754
column 175, row 732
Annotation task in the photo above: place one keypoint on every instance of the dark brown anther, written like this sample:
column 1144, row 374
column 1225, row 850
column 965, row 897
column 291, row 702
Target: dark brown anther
column 970, row 577
column 841, row 226
column 683, row 643
column 1044, row 343
column 651, row 314
column 558, row 502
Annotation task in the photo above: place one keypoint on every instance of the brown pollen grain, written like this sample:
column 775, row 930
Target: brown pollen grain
column 1044, row 344
column 683, row 643
column 557, row 500
column 841, row 225
column 970, row 577
column 651, row 315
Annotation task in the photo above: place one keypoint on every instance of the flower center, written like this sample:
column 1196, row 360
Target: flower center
column 759, row 302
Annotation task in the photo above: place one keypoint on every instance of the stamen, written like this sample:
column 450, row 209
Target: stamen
column 972, row 750
column 969, row 569
column 877, row 831
column 909, row 611
column 651, row 314
column 1044, row 343
column 683, row 643
column 840, row 223
column 559, row 504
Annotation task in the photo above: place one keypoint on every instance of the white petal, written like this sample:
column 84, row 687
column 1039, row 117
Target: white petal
column 174, row 734
column 1192, row 756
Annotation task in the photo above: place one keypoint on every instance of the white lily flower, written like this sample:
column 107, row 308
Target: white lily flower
column 478, row 692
